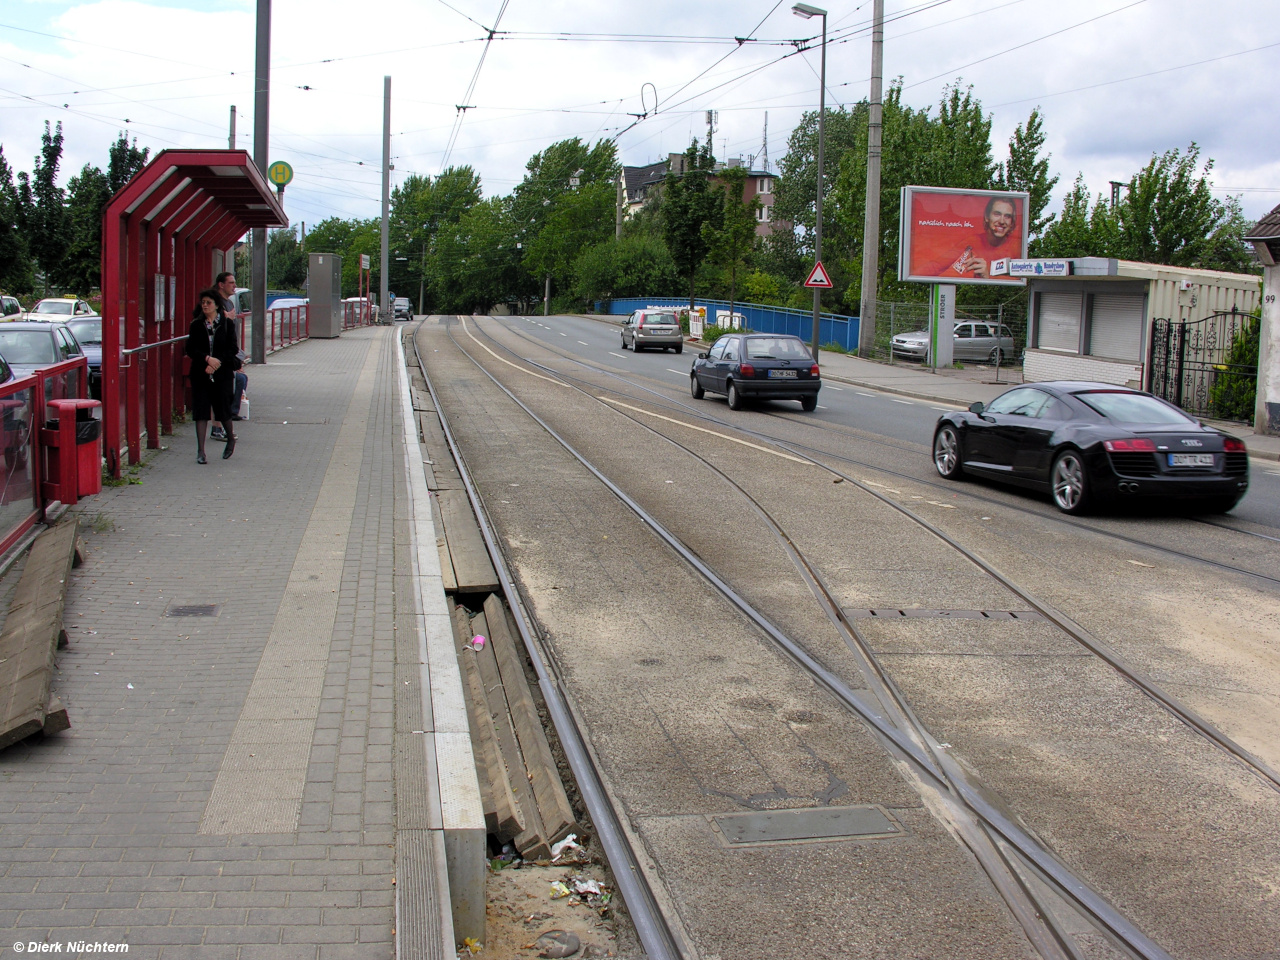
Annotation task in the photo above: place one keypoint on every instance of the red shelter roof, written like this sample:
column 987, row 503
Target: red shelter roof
column 160, row 234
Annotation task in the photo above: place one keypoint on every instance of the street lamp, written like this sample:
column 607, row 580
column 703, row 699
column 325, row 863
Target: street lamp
column 805, row 11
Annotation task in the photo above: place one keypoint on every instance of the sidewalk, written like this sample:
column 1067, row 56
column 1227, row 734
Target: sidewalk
column 243, row 776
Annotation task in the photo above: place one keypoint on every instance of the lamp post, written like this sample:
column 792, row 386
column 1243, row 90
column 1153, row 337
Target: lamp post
column 807, row 12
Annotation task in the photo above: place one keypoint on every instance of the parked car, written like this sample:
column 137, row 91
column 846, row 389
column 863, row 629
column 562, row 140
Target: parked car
column 88, row 333
column 285, row 303
column 31, row 345
column 10, row 308
column 992, row 342
column 766, row 366
column 402, row 309
column 1084, row 443
column 652, row 328
column 58, row 308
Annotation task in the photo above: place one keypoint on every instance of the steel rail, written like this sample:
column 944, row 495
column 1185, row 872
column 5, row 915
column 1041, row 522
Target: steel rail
column 1079, row 893
column 655, row 933
column 1102, row 650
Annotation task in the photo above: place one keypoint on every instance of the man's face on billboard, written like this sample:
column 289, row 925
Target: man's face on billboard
column 1001, row 219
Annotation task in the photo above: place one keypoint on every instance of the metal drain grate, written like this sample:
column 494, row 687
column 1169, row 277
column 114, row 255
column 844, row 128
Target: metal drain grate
column 795, row 826
column 912, row 613
column 193, row 610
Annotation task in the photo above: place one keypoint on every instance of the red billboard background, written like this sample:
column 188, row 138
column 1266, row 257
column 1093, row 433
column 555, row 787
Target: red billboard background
column 952, row 236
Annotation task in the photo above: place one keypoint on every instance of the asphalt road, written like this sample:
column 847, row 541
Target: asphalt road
column 884, row 415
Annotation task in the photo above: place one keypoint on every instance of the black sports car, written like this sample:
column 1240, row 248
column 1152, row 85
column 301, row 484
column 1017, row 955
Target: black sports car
column 1085, row 442
column 765, row 366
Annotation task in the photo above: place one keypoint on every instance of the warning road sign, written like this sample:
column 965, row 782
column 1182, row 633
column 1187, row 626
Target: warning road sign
column 818, row 276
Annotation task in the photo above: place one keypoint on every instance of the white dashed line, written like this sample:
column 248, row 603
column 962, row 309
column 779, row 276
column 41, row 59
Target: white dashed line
column 564, row 334
column 618, row 355
column 679, row 372
column 836, row 389
column 584, row 343
column 861, row 394
column 907, row 402
column 821, row 407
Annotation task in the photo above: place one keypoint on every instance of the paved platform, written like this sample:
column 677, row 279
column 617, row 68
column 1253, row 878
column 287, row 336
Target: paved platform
column 246, row 692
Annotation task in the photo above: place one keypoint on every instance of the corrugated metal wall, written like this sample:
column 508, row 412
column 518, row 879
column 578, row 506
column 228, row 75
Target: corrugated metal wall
column 1202, row 299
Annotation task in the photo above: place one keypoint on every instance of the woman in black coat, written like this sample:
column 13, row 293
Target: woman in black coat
column 212, row 346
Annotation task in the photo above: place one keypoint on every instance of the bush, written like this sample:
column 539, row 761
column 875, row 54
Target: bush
column 713, row 333
column 1234, row 391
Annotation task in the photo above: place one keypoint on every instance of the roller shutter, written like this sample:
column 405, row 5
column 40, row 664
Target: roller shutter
column 1115, row 331
column 1059, row 326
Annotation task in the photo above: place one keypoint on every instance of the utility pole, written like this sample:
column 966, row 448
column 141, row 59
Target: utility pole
column 871, row 225
column 385, row 286
column 261, row 110
column 231, row 139
column 617, row 224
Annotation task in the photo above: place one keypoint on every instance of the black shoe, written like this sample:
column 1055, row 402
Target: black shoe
column 231, row 448
column 200, row 458
column 218, row 435
column 237, row 417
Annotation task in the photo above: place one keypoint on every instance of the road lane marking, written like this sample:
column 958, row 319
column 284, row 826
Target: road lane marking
column 618, row 355
column 861, row 394
column 680, row 372
column 564, row 334
column 907, row 402
column 821, row 407
column 836, row 389
column 558, row 383
column 722, row 436
column 584, row 343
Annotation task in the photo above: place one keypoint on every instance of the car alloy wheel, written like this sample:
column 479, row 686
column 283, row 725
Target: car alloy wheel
column 1069, row 482
column 695, row 387
column 997, row 356
column 946, row 452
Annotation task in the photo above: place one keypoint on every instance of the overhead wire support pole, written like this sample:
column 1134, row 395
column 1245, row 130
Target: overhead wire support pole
column 871, row 225
column 261, row 151
column 807, row 12
column 384, row 285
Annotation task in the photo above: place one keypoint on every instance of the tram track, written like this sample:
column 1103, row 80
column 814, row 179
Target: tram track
column 1005, row 850
column 965, row 490
column 992, row 835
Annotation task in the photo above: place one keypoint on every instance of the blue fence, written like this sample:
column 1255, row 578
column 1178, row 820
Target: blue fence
column 832, row 327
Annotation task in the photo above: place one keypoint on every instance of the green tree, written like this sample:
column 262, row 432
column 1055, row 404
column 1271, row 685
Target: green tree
column 286, row 261
column 124, row 159
column 688, row 203
column 87, row 196
column 1026, row 169
column 1234, row 389
column 731, row 241
column 16, row 275
column 477, row 260
column 420, row 208
column 638, row 265
column 44, row 216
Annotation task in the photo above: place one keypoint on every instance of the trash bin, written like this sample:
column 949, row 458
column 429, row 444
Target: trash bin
column 73, row 450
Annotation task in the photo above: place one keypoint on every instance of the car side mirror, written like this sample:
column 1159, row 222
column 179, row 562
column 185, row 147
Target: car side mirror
column 977, row 407
column 703, row 356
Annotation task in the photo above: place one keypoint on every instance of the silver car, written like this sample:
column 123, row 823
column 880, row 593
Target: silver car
column 974, row 340
column 652, row 328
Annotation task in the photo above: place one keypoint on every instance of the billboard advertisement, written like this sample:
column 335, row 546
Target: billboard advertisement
column 954, row 236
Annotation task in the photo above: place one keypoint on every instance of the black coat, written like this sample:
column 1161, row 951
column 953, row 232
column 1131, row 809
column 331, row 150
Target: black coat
column 225, row 346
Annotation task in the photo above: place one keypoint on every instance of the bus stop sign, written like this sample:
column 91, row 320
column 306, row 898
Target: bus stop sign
column 280, row 173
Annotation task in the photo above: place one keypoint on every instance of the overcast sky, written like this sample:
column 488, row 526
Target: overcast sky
column 169, row 70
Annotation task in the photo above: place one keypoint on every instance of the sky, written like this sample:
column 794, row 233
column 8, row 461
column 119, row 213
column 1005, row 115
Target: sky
column 1116, row 81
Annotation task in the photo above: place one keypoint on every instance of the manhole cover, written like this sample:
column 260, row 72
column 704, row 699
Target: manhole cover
column 192, row 610
column 817, row 823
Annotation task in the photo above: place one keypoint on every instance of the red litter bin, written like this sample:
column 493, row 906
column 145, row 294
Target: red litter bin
column 73, row 445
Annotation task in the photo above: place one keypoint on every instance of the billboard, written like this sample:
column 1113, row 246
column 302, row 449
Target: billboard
column 954, row 236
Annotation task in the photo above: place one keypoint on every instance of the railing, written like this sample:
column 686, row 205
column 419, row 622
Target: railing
column 832, row 327
column 21, row 502
column 284, row 327
column 358, row 315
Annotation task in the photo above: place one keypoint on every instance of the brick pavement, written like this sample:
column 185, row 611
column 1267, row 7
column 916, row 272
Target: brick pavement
column 100, row 827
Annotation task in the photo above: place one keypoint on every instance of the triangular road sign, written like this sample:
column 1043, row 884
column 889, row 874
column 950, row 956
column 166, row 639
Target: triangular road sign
column 818, row 276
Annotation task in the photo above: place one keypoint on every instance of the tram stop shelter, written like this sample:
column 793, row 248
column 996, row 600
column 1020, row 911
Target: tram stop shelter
column 1143, row 325
column 163, row 239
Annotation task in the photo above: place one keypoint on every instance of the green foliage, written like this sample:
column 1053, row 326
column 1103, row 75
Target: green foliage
column 730, row 242
column 347, row 239
column 88, row 194
column 635, row 266
column 1027, row 170
column 712, row 333
column 124, row 159
column 1234, row 390
column 43, row 207
column 688, row 204
column 15, row 259
column 1167, row 215
column 761, row 287
column 420, row 208
column 286, row 261
column 477, row 263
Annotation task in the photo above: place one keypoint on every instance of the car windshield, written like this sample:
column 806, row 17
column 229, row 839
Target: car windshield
column 26, row 346
column 775, row 348
column 52, row 306
column 658, row 318
column 1128, row 407
column 86, row 331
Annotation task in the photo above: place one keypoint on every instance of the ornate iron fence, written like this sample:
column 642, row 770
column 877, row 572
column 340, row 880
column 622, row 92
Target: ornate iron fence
column 1207, row 367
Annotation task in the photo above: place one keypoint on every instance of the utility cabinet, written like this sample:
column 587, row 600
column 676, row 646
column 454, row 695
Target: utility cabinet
column 324, row 287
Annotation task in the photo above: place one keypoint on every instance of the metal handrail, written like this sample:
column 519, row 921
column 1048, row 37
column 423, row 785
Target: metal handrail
column 148, row 346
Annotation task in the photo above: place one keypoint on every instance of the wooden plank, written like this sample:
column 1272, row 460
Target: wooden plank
column 553, row 803
column 501, row 814
column 531, row 843
column 446, row 562
column 428, row 463
column 471, row 564
column 31, row 632
column 446, row 471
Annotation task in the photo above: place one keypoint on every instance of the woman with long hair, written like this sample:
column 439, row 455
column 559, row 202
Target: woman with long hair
column 212, row 345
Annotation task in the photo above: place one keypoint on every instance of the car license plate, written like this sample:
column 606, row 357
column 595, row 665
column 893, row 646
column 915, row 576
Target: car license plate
column 1191, row 459
column 782, row 374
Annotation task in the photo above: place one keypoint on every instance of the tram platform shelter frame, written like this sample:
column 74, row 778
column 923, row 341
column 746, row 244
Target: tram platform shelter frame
column 163, row 239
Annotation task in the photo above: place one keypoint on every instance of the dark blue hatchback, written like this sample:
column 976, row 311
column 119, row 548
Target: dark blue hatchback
column 764, row 366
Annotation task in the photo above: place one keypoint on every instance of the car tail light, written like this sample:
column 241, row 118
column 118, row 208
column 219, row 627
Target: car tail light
column 813, row 371
column 1232, row 445
column 1137, row 445
column 747, row 370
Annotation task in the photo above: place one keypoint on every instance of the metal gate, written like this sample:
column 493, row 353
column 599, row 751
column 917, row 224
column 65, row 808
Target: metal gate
column 1207, row 367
